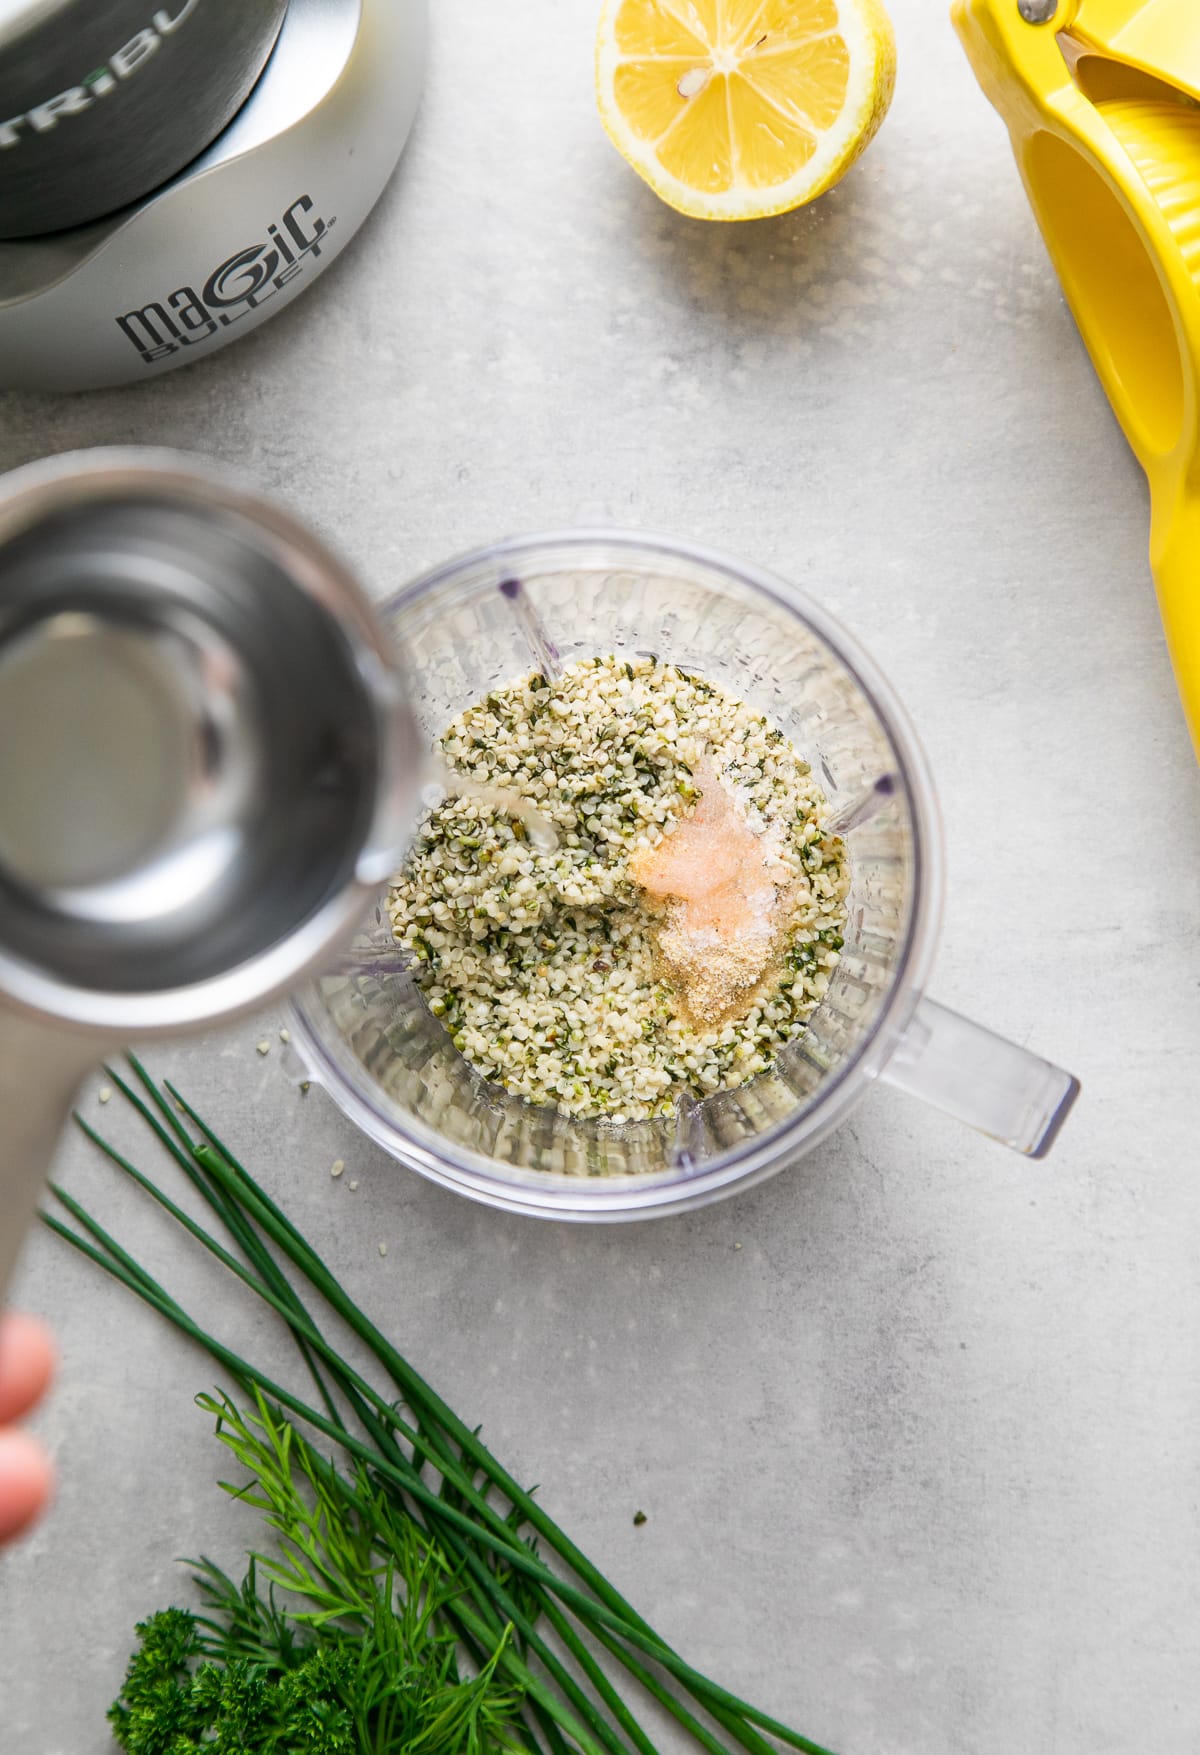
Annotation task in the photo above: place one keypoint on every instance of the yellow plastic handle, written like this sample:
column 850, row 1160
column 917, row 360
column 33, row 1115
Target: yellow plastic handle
column 1113, row 255
column 1108, row 145
column 1175, row 558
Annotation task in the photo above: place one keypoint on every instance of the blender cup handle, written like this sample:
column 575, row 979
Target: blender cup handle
column 978, row 1077
column 41, row 1067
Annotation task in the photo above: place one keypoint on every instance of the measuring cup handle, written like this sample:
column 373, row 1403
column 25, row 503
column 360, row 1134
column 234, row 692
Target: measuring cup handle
column 40, row 1071
column 978, row 1077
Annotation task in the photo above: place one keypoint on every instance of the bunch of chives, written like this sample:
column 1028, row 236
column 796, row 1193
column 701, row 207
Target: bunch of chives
column 576, row 1637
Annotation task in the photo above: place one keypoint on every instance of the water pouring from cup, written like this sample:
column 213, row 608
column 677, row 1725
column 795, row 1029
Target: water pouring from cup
column 212, row 751
column 207, row 767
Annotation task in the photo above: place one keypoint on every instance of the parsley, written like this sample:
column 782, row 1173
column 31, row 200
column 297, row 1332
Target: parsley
column 409, row 1608
column 366, row 1660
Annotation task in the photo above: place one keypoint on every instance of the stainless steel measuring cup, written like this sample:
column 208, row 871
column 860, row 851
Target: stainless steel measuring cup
column 206, row 770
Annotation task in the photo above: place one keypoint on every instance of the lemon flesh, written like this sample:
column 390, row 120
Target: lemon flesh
column 735, row 109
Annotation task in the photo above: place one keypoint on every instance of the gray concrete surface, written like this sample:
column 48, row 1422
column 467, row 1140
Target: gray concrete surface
column 921, row 1457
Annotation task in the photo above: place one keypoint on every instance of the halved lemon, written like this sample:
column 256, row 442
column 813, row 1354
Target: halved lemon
column 735, row 109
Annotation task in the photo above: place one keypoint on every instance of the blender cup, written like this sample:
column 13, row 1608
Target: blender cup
column 365, row 1033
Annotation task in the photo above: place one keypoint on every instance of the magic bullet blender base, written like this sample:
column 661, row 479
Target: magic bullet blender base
column 243, row 230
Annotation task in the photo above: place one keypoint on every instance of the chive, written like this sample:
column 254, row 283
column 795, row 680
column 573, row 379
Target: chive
column 464, row 1518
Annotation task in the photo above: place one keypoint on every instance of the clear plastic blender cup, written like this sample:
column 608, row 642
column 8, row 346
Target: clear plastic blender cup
column 365, row 1033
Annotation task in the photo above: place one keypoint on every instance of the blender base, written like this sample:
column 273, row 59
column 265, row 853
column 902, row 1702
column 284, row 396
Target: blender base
column 239, row 233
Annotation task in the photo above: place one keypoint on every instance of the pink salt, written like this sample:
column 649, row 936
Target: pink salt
column 721, row 883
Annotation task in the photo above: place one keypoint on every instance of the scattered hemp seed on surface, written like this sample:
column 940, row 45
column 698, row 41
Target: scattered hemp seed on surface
column 305, row 1087
column 673, row 941
column 639, row 1518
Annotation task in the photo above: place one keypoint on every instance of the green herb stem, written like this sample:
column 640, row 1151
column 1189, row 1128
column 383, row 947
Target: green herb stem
column 475, row 1534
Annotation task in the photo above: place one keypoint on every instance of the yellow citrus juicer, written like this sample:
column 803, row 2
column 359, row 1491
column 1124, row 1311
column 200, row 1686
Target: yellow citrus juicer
column 1102, row 100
